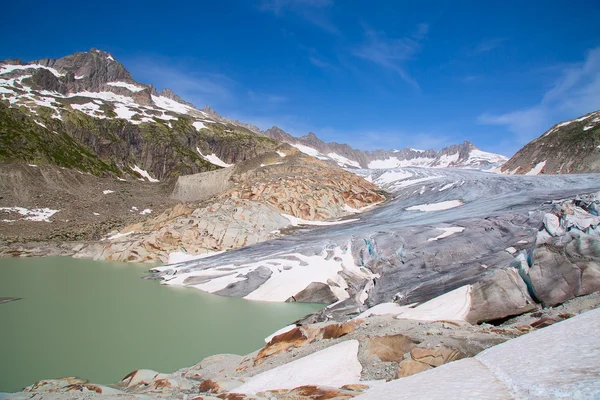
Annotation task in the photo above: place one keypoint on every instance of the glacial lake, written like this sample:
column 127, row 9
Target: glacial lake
column 100, row 321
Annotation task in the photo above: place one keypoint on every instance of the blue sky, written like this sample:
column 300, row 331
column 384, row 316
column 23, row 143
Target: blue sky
column 373, row 74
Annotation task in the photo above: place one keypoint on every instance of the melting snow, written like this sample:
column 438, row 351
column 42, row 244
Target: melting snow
column 179, row 257
column 88, row 108
column 454, row 305
column 119, row 235
column 10, row 68
column 343, row 161
column 298, row 221
column 334, row 366
column 281, row 154
column 444, row 205
column 213, row 159
column 198, row 125
column 447, row 232
column 170, row 105
column 585, row 128
column 560, row 361
column 537, row 169
column 310, row 151
column 34, row 214
column 127, row 86
column 392, row 176
column 125, row 112
column 108, row 191
column 145, row 174
column 146, row 211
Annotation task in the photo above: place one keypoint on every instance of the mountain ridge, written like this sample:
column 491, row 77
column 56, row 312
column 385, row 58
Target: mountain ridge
column 97, row 85
column 457, row 155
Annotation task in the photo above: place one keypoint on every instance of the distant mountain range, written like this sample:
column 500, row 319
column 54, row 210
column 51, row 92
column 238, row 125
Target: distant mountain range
column 458, row 155
column 85, row 111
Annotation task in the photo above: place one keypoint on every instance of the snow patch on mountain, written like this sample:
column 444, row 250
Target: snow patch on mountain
column 128, row 86
column 214, row 159
column 145, row 174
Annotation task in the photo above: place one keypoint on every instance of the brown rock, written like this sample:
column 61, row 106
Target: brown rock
column 310, row 392
column 210, row 386
column 335, row 331
column 389, row 348
column 543, row 322
column 355, row 387
column 411, row 367
column 315, row 292
column 280, row 343
column 435, row 356
column 500, row 296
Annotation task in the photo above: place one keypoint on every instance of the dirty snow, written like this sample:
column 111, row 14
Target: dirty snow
column 10, row 68
column 170, row 105
column 560, row 361
column 447, row 232
column 454, row 305
column 34, row 214
column 178, row 257
column 343, row 161
column 145, row 174
column 334, row 366
column 310, row 151
column 281, row 154
column 214, row 159
column 299, row 221
column 537, row 169
column 443, row 205
column 128, row 86
column 120, row 235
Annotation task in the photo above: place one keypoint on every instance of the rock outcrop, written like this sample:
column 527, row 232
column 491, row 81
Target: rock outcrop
column 246, row 208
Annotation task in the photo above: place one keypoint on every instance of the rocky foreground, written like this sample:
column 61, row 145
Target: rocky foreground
column 473, row 280
column 358, row 357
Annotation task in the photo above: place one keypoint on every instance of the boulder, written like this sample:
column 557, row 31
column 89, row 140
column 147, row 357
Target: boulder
column 502, row 295
column 389, row 348
column 315, row 292
column 411, row 367
column 436, row 356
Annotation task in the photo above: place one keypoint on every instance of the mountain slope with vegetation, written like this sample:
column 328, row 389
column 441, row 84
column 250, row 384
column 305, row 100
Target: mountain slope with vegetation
column 569, row 147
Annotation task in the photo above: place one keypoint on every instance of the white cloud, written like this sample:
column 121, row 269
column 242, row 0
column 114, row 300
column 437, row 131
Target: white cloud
column 313, row 11
column 575, row 92
column 392, row 53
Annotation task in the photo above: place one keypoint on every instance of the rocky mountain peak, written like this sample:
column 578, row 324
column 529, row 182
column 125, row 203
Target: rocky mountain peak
column 208, row 109
column 169, row 94
column 278, row 134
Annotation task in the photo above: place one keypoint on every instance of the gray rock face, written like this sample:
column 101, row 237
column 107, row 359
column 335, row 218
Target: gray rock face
column 563, row 271
column 253, row 280
column 316, row 292
column 502, row 295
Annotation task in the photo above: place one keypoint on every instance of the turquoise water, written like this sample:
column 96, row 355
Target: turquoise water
column 100, row 321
